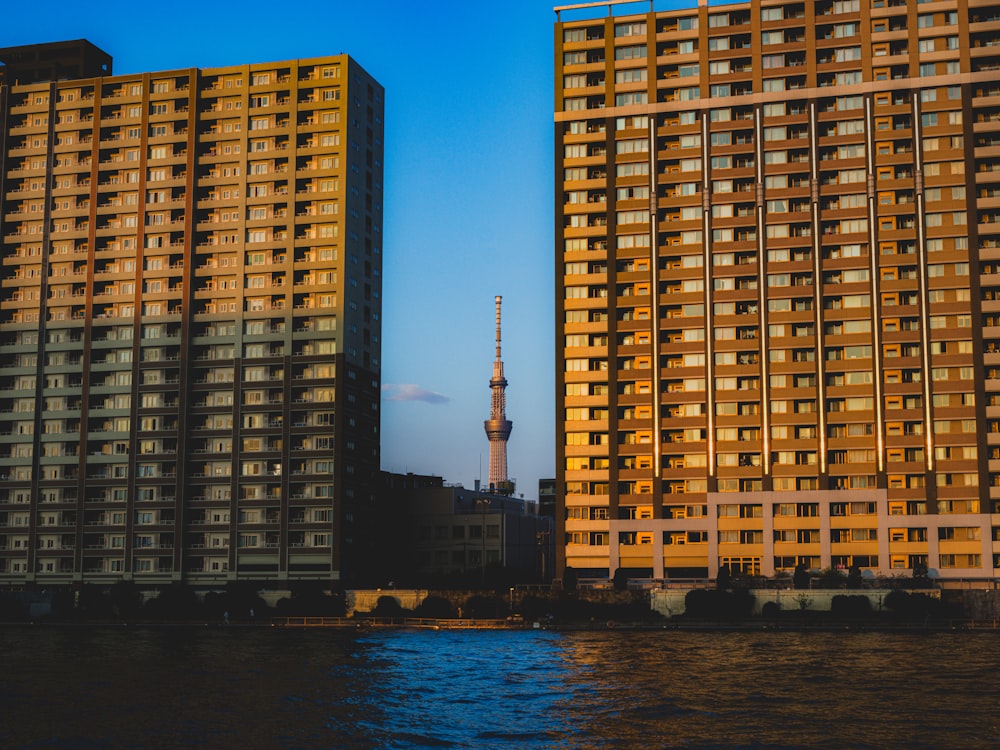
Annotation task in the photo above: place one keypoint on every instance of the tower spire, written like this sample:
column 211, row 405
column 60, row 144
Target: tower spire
column 498, row 427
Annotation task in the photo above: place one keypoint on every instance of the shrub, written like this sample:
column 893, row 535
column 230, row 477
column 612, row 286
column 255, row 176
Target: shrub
column 388, row 606
column 851, row 606
column 770, row 610
column 484, row 606
column 434, row 606
column 713, row 604
column 831, row 579
column 911, row 606
column 174, row 602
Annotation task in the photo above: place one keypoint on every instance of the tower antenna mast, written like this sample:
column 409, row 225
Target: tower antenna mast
column 498, row 427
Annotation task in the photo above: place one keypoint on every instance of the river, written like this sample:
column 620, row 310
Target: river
column 87, row 687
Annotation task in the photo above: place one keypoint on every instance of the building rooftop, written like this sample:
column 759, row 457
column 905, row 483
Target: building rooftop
column 53, row 61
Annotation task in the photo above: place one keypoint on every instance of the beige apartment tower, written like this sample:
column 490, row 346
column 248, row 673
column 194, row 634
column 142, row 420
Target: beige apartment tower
column 190, row 301
column 778, row 300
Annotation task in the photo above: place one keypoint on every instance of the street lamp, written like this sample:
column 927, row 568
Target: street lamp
column 512, row 600
column 542, row 539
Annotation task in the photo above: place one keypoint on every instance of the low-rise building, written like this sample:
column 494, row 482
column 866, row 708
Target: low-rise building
column 450, row 531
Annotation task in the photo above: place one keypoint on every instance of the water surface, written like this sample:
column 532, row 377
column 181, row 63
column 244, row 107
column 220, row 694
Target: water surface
column 239, row 687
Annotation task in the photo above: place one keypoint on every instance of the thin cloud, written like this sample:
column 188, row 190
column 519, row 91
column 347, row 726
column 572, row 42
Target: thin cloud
column 412, row 392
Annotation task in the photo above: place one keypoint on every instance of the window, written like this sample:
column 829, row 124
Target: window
column 630, row 29
column 634, row 97
column 630, row 53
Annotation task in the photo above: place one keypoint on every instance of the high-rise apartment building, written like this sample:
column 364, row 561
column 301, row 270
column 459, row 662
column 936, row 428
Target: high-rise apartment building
column 190, row 300
column 778, row 300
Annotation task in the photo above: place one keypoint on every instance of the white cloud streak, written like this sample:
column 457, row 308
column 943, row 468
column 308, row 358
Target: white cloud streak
column 411, row 392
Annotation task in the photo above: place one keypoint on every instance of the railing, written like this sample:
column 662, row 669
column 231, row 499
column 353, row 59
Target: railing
column 785, row 582
column 397, row 622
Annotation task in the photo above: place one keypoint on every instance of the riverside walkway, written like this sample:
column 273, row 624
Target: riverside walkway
column 428, row 623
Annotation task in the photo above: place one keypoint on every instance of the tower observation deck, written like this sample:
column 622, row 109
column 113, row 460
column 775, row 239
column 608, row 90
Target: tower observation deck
column 498, row 426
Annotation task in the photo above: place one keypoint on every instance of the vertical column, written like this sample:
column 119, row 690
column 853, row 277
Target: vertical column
column 43, row 308
column 706, row 239
column 925, row 337
column 137, row 328
column 825, row 545
column 654, row 317
column 87, row 331
column 187, row 313
column 765, row 402
column 768, row 501
column 814, row 196
column 975, row 282
column 876, row 301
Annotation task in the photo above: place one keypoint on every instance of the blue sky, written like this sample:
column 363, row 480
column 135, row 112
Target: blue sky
column 468, row 190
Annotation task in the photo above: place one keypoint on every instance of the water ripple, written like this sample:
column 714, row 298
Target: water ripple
column 84, row 688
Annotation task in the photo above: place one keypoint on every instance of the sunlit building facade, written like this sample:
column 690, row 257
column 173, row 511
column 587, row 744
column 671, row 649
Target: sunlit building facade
column 778, row 308
column 190, row 300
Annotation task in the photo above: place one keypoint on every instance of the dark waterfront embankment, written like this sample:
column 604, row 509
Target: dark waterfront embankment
column 366, row 624
column 766, row 608
column 282, row 688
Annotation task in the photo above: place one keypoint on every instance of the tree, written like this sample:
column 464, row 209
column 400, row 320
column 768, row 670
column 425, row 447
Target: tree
column 310, row 599
column 770, row 610
column 125, row 599
column 434, row 606
column 94, row 603
column 174, row 602
column 241, row 597
column 569, row 580
column 911, row 606
column 483, row 607
column 621, row 580
column 831, row 578
column 12, row 607
column 801, row 577
column 854, row 577
column 724, row 578
column 388, row 606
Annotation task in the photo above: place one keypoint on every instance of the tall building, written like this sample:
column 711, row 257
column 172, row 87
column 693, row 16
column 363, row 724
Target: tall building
column 546, row 542
column 498, row 427
column 778, row 300
column 547, row 497
column 190, row 299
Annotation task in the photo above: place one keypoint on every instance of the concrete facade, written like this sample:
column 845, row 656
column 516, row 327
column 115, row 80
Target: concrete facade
column 190, row 319
column 777, row 262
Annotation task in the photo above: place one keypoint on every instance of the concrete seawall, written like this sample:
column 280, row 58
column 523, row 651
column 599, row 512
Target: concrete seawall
column 671, row 603
column 978, row 604
column 365, row 601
